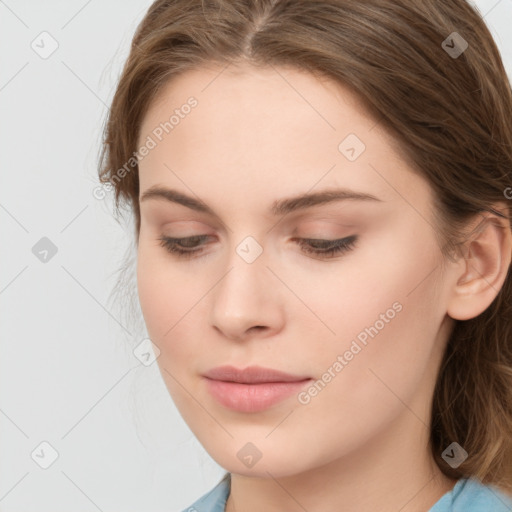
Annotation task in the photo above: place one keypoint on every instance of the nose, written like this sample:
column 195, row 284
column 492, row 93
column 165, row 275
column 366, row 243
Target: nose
column 246, row 302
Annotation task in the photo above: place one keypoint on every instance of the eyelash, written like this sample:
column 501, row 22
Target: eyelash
column 331, row 248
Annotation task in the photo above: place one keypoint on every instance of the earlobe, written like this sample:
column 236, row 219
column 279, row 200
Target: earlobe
column 487, row 260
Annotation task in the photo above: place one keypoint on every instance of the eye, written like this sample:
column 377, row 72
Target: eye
column 189, row 246
column 183, row 247
column 327, row 248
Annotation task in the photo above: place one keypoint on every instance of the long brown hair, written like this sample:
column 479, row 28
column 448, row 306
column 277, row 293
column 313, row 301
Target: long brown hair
column 446, row 99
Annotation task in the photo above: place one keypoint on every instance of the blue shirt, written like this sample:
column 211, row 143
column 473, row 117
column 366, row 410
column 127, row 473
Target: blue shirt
column 468, row 495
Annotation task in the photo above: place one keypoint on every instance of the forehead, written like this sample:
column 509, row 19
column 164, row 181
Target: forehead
column 219, row 89
column 258, row 129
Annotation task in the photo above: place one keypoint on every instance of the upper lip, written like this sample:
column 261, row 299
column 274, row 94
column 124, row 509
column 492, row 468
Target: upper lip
column 251, row 375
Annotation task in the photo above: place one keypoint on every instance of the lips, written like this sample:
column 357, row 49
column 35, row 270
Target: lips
column 252, row 389
column 251, row 375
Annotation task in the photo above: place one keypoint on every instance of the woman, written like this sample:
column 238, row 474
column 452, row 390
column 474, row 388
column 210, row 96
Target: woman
column 321, row 196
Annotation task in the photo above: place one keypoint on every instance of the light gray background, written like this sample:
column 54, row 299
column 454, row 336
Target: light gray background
column 67, row 372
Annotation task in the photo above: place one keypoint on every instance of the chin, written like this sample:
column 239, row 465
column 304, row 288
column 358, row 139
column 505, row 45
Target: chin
column 272, row 462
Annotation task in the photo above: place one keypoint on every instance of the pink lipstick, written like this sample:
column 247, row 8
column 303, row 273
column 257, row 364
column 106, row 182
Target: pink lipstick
column 252, row 389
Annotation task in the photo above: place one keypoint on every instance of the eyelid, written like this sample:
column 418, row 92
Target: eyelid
column 186, row 225
column 333, row 248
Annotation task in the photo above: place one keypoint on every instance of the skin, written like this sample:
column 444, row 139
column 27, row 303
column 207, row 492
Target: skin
column 361, row 444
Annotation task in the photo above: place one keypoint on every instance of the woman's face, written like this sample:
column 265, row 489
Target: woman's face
column 361, row 331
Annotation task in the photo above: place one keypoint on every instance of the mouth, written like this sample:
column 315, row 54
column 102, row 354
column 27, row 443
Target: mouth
column 252, row 389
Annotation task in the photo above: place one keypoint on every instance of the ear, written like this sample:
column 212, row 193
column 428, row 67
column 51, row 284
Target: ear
column 480, row 276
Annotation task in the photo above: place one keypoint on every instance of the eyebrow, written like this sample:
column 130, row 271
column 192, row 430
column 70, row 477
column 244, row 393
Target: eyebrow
column 279, row 207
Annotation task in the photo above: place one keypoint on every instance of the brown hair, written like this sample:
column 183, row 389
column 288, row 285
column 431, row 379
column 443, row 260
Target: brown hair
column 449, row 113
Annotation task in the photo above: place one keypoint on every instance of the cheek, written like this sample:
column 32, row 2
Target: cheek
column 167, row 297
column 169, row 303
column 386, row 315
column 389, row 306
column 386, row 318
column 155, row 296
column 350, row 294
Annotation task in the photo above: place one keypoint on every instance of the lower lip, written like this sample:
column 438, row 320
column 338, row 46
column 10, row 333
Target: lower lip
column 252, row 397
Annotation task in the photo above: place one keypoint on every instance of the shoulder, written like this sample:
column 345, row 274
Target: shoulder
column 215, row 499
column 470, row 495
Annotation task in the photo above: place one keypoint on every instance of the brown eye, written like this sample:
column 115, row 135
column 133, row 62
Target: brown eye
column 183, row 247
column 189, row 246
column 327, row 248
